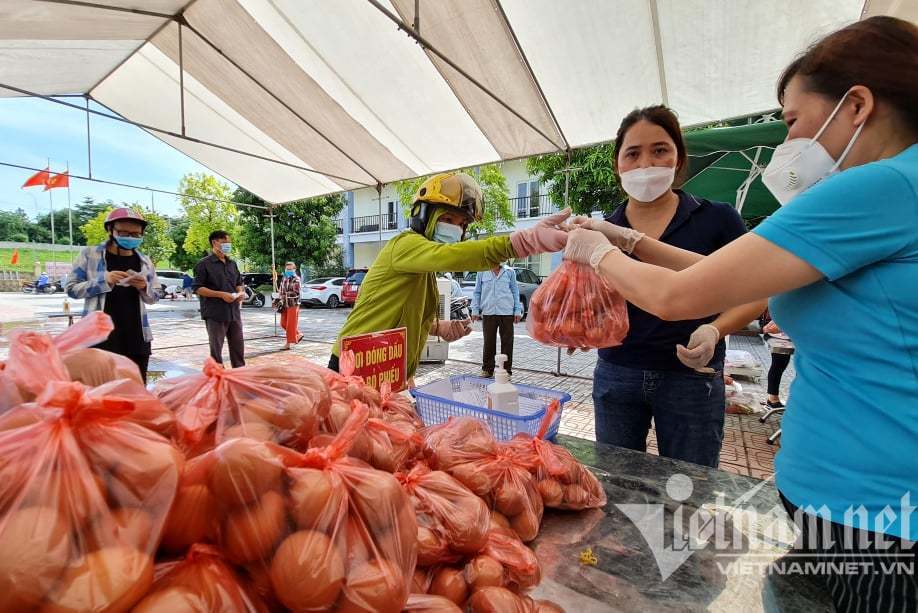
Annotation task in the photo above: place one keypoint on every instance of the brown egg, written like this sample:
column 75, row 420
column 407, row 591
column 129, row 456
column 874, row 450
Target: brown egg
column 314, row 500
column 472, row 477
column 110, row 579
column 250, row 533
column 127, row 526
column 495, row 600
column 428, row 603
column 35, row 548
column 192, row 519
column 526, row 525
column 258, row 430
column 510, row 498
column 450, row 583
column 244, row 470
column 375, row 587
column 500, row 520
column 379, row 501
column 19, row 417
column 307, row 571
column 419, row 581
column 172, row 600
column 575, row 495
column 551, row 492
column 484, row 571
column 146, row 472
column 432, row 548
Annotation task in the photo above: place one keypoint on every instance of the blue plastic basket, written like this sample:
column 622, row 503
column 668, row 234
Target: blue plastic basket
column 435, row 405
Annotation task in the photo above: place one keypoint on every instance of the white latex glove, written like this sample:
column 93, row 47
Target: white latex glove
column 454, row 329
column 623, row 238
column 701, row 345
column 587, row 247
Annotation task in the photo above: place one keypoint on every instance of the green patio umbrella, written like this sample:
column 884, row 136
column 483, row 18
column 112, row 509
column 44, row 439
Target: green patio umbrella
column 726, row 164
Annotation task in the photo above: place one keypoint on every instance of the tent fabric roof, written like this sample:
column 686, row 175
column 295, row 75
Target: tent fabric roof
column 339, row 88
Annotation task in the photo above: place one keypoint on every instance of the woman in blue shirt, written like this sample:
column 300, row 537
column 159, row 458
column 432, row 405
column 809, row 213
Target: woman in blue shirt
column 840, row 260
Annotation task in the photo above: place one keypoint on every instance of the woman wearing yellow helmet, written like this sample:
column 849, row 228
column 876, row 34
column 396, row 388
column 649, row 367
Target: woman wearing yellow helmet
column 400, row 289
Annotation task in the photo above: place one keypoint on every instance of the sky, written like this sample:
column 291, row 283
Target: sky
column 32, row 131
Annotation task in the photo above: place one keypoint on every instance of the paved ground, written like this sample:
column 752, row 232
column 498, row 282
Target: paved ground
column 180, row 345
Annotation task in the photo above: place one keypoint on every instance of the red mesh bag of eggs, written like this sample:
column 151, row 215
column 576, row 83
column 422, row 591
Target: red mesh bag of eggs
column 465, row 448
column 314, row 530
column 452, row 521
column 264, row 402
column 562, row 481
column 575, row 308
column 84, row 494
column 200, row 581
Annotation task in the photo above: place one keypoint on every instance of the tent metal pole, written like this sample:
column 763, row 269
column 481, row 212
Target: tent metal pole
column 106, row 7
column 658, row 45
column 426, row 45
column 181, row 76
column 190, row 139
column 567, row 190
column 69, row 214
column 150, row 189
column 273, row 263
column 88, row 140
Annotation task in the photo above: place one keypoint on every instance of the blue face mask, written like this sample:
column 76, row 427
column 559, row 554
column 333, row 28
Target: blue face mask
column 289, row 273
column 226, row 248
column 128, row 242
column 447, row 233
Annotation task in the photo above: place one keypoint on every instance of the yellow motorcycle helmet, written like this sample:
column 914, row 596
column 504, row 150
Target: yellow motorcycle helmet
column 450, row 190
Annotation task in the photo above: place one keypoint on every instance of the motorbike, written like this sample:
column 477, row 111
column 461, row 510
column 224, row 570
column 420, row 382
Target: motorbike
column 460, row 308
column 51, row 288
column 252, row 298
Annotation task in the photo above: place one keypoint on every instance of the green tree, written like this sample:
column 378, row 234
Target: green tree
column 157, row 243
column 61, row 228
column 178, row 230
column 206, row 202
column 89, row 208
column 593, row 185
column 304, row 230
column 498, row 215
column 14, row 224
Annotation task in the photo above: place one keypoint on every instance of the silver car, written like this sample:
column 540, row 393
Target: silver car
column 525, row 279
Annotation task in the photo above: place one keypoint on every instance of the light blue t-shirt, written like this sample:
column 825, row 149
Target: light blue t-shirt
column 497, row 294
column 850, row 433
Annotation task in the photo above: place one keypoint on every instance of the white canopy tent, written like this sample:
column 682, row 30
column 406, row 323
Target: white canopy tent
column 297, row 98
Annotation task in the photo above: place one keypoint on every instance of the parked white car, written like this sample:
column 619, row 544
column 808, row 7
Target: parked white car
column 324, row 291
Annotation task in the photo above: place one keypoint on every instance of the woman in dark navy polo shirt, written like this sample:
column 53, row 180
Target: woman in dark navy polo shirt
column 671, row 372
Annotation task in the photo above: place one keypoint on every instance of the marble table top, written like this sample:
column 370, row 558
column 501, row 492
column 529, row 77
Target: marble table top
column 733, row 527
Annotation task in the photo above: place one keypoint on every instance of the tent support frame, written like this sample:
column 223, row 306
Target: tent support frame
column 149, row 189
column 191, row 139
column 183, row 21
column 411, row 32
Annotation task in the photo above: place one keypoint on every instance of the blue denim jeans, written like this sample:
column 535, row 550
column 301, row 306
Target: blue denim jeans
column 687, row 409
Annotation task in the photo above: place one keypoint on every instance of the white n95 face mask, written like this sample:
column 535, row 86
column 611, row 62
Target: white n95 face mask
column 800, row 163
column 648, row 184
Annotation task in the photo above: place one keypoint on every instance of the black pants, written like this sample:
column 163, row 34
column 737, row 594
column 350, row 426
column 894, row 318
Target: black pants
column 492, row 324
column 779, row 363
column 142, row 361
column 217, row 331
column 883, row 579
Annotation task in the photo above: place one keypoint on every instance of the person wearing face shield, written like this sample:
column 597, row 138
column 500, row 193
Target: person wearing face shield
column 839, row 261
column 400, row 289
column 116, row 278
column 670, row 372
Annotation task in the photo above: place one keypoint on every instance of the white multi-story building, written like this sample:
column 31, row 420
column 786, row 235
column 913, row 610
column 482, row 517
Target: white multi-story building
column 369, row 221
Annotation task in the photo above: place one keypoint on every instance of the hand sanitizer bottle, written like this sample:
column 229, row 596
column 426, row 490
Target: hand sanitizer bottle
column 503, row 395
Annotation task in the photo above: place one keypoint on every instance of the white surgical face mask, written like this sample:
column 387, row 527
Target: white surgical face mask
column 648, row 184
column 800, row 163
column 447, row 233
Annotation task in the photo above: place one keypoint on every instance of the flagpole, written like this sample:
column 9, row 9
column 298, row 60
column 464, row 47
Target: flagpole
column 51, row 202
column 69, row 214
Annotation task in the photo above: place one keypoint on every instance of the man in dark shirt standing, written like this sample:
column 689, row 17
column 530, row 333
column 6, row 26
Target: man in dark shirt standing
column 218, row 283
